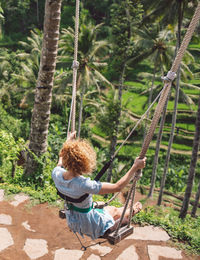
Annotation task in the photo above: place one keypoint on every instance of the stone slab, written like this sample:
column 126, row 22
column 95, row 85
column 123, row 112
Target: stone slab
column 63, row 254
column 93, row 257
column 6, row 239
column 27, row 226
column 1, row 195
column 103, row 250
column 128, row 253
column 170, row 253
column 19, row 199
column 35, row 248
column 149, row 233
column 5, row 219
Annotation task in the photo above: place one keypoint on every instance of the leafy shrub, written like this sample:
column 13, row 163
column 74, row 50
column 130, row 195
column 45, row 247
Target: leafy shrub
column 9, row 150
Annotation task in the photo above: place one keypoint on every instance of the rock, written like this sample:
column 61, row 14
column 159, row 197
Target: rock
column 1, row 195
column 35, row 248
column 128, row 253
column 149, row 233
column 170, row 253
column 27, row 226
column 63, row 254
column 103, row 250
column 93, row 257
column 19, row 199
column 6, row 239
column 5, row 219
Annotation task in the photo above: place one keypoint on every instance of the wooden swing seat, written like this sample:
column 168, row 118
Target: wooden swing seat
column 122, row 233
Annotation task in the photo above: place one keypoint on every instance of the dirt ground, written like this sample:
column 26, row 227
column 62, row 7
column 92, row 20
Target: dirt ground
column 45, row 221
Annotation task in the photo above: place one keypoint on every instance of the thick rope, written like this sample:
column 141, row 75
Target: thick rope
column 75, row 66
column 167, row 86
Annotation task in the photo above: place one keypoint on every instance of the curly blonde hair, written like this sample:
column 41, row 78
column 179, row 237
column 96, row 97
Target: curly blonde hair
column 78, row 156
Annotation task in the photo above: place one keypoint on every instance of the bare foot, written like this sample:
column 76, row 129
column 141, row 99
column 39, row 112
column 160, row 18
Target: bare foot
column 137, row 208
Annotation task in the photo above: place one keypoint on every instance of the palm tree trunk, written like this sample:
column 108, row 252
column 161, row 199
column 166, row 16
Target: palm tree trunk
column 43, row 93
column 194, row 209
column 180, row 16
column 193, row 163
column 159, row 139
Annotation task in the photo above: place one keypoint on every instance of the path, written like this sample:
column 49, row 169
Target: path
column 36, row 232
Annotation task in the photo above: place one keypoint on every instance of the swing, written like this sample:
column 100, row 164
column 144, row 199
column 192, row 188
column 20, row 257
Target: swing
column 122, row 232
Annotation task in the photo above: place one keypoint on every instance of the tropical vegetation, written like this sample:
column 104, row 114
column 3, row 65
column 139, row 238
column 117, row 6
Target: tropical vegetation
column 124, row 48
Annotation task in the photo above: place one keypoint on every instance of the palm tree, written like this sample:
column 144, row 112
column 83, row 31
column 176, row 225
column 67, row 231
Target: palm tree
column 166, row 11
column 43, row 93
column 125, row 18
column 158, row 48
column 193, row 162
column 29, row 63
column 162, row 50
column 181, row 8
column 91, row 57
column 1, row 19
column 194, row 208
column 8, row 90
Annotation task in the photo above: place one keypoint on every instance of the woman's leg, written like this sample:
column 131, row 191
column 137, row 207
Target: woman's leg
column 117, row 212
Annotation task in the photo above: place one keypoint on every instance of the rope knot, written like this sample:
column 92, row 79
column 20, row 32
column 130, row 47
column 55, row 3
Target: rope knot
column 75, row 64
column 170, row 76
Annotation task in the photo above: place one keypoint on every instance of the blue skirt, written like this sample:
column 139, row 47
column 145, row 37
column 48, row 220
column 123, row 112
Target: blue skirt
column 93, row 224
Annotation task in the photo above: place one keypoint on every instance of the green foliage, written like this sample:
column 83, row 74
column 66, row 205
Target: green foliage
column 186, row 231
column 125, row 17
column 21, row 16
column 16, row 127
column 109, row 118
column 9, row 151
column 45, row 194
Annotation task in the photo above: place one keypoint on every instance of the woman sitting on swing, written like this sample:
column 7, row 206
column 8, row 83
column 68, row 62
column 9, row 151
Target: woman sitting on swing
column 77, row 157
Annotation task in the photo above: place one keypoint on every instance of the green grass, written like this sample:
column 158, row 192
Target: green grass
column 195, row 46
column 181, row 106
column 134, row 102
column 96, row 130
column 180, row 147
column 141, row 86
column 192, row 91
column 188, row 127
column 195, row 82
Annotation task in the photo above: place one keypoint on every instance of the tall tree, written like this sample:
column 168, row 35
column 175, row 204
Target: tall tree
column 125, row 15
column 91, row 56
column 180, row 19
column 1, row 20
column 193, row 162
column 43, row 93
column 181, row 7
column 29, row 58
column 194, row 208
column 166, row 10
column 156, row 46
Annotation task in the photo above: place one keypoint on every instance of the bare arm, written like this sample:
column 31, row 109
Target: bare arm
column 70, row 137
column 115, row 187
column 59, row 161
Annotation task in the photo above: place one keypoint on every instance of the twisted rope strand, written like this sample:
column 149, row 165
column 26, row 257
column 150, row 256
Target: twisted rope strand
column 75, row 68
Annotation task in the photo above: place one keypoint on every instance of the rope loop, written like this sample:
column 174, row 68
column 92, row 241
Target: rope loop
column 75, row 64
column 170, row 76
